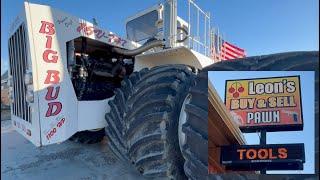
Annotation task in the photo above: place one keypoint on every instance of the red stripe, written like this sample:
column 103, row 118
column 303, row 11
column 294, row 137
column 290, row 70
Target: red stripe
column 229, row 57
column 234, row 51
column 226, row 52
column 239, row 49
column 226, row 56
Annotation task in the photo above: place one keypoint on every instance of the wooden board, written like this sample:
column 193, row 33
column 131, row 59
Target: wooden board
column 221, row 130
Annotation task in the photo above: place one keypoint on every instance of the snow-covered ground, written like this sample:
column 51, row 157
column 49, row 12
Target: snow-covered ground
column 22, row 160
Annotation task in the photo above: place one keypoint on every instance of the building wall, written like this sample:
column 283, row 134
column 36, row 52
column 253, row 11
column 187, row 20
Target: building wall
column 4, row 95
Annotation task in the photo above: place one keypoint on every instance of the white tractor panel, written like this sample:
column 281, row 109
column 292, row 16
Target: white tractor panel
column 177, row 55
column 92, row 111
column 56, row 112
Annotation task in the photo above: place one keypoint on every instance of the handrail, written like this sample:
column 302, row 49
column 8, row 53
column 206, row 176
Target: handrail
column 202, row 42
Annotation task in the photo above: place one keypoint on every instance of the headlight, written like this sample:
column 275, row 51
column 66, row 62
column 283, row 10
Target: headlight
column 9, row 83
column 11, row 94
column 11, row 97
column 29, row 96
column 30, row 88
column 28, row 78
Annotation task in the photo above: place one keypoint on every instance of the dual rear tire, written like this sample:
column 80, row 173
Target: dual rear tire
column 142, row 125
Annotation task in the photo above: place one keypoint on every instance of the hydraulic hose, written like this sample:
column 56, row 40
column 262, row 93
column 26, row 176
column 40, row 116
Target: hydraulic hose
column 139, row 50
column 148, row 45
column 185, row 32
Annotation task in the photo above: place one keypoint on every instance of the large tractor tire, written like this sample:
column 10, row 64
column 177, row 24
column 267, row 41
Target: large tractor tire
column 88, row 137
column 142, row 126
column 194, row 124
column 193, row 129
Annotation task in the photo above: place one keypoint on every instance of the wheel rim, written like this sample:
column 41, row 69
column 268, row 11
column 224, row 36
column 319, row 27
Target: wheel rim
column 182, row 120
column 94, row 130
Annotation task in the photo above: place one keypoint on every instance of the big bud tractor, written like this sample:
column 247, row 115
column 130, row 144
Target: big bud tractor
column 45, row 107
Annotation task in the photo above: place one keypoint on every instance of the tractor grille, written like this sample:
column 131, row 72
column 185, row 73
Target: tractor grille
column 18, row 64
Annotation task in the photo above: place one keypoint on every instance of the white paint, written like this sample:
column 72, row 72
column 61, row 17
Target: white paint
column 91, row 114
column 177, row 55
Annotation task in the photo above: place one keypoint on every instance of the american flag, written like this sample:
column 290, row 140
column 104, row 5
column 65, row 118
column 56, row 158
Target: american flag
column 230, row 51
column 223, row 50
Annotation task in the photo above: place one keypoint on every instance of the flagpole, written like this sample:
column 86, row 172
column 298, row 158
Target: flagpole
column 219, row 48
column 224, row 48
column 224, row 40
column 213, row 51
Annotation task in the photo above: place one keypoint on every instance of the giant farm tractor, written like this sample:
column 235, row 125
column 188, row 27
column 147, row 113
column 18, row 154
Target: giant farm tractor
column 72, row 80
column 69, row 79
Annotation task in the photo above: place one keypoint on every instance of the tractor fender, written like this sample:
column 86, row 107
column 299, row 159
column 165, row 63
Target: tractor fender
column 177, row 55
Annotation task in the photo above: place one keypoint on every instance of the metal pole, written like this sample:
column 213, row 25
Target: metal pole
column 205, row 35
column 209, row 19
column 198, row 36
column 263, row 141
column 214, row 45
column 221, row 45
column 170, row 23
column 210, row 43
column 218, row 45
column 263, row 137
column 189, row 28
column 224, row 49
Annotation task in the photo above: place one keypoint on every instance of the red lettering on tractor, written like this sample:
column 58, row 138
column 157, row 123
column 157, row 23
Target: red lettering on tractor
column 99, row 33
column 54, row 130
column 81, row 26
column 49, row 42
column 51, row 133
column 53, row 76
column 47, row 28
column 61, row 122
column 51, row 111
column 49, row 95
column 89, row 30
column 53, row 59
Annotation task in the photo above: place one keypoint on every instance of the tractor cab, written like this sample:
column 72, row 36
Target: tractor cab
column 148, row 25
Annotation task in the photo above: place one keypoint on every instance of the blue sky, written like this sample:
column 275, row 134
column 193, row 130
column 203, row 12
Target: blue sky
column 260, row 27
column 306, row 136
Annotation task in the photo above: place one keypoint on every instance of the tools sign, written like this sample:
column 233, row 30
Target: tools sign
column 270, row 157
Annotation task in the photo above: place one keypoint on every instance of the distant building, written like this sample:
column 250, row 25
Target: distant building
column 5, row 103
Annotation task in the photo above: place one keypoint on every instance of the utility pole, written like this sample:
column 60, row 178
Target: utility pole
column 263, row 141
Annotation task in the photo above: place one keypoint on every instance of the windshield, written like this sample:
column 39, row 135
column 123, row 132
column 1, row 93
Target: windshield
column 143, row 27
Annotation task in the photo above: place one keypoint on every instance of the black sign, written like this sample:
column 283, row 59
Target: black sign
column 268, row 157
